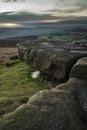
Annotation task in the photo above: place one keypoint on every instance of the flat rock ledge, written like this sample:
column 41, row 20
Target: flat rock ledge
column 61, row 108
column 53, row 60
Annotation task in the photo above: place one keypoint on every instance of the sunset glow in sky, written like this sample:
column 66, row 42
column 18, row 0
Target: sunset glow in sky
column 9, row 25
column 18, row 12
column 50, row 21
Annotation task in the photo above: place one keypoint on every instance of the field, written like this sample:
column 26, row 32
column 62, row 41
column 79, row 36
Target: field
column 71, row 37
column 7, row 51
column 16, row 84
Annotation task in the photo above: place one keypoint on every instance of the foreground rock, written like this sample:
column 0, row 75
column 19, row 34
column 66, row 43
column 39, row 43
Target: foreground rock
column 63, row 108
column 53, row 60
column 77, row 85
column 47, row 110
column 80, row 69
column 78, row 88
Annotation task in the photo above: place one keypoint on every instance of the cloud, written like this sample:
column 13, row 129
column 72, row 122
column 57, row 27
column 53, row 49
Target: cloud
column 13, row 0
column 30, row 10
column 62, row 8
column 20, row 17
column 69, row 6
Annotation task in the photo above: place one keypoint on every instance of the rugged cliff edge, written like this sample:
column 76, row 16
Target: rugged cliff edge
column 53, row 60
column 65, row 106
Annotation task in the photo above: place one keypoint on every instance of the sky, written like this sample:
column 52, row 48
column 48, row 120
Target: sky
column 18, row 12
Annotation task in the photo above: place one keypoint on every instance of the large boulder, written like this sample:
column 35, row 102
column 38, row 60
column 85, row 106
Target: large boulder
column 78, row 88
column 73, row 85
column 46, row 110
column 77, row 85
column 79, row 70
column 53, row 60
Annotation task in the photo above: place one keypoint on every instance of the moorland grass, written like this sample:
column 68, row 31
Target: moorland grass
column 16, row 84
column 74, row 36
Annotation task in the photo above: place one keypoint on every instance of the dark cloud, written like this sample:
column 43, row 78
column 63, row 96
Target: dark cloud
column 49, row 9
column 82, row 4
column 13, row 0
column 24, row 17
column 73, row 10
column 71, row 6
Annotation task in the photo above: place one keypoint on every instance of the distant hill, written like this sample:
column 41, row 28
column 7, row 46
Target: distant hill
column 31, row 30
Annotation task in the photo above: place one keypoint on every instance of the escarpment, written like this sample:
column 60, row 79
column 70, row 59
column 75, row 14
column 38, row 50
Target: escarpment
column 53, row 60
column 63, row 107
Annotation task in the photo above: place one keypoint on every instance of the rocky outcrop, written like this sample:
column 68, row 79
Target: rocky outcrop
column 46, row 110
column 77, row 85
column 53, row 60
column 65, row 106
column 80, row 69
column 78, row 76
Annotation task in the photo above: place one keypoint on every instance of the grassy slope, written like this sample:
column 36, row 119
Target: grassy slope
column 75, row 36
column 17, row 85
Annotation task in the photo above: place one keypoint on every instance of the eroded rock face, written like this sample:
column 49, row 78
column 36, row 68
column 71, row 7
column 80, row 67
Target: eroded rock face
column 77, row 85
column 80, row 69
column 54, row 60
column 46, row 110
column 78, row 88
